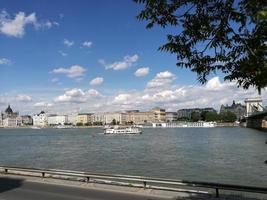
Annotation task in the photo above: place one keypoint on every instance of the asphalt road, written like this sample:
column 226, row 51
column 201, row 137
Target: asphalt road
column 19, row 189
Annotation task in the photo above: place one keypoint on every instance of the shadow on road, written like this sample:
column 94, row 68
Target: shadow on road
column 222, row 197
column 9, row 183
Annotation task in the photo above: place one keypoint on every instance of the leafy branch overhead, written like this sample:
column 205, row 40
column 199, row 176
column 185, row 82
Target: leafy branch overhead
column 215, row 35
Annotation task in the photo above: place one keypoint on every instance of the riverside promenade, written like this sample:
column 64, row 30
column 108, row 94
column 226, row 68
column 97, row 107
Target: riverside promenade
column 20, row 186
column 14, row 187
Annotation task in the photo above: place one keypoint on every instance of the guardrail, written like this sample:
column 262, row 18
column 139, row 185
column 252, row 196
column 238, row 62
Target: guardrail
column 133, row 181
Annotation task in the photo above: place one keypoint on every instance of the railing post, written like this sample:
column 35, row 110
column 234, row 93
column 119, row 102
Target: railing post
column 6, row 170
column 43, row 174
column 217, row 192
column 88, row 179
column 144, row 184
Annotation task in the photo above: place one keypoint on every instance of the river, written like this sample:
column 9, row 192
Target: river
column 224, row 155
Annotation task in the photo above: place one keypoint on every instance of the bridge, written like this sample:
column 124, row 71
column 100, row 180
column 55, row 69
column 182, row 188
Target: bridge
column 256, row 113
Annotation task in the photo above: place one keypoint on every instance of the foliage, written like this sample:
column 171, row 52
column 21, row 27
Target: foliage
column 97, row 123
column 215, row 35
column 88, row 124
column 79, row 124
column 195, row 116
column 114, row 122
column 211, row 116
column 183, row 119
column 228, row 116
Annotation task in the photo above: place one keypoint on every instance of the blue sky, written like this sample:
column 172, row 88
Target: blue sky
column 85, row 55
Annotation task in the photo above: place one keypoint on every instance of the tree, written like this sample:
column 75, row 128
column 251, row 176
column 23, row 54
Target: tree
column 88, row 124
column 228, row 116
column 211, row 116
column 79, row 124
column 195, row 116
column 215, row 35
column 114, row 122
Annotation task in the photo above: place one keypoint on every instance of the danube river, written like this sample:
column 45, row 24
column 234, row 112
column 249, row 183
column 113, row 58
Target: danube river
column 224, row 155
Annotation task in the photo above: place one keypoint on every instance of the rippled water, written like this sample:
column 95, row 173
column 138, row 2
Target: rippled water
column 225, row 155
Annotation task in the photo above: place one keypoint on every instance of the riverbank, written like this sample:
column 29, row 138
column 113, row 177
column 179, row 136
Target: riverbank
column 28, row 183
column 218, row 125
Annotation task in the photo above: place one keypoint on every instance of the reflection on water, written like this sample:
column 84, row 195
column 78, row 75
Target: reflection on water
column 225, row 155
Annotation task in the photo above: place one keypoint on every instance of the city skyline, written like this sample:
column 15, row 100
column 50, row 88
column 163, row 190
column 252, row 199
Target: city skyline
column 93, row 58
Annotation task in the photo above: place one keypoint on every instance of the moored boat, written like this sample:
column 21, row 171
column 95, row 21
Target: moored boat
column 64, row 126
column 35, row 127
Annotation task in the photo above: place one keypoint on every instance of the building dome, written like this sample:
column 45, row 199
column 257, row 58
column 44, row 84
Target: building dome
column 8, row 110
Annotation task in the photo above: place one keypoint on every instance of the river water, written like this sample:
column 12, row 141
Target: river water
column 224, row 155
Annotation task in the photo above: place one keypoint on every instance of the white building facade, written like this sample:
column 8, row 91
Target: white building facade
column 40, row 119
column 57, row 120
column 120, row 118
column 72, row 119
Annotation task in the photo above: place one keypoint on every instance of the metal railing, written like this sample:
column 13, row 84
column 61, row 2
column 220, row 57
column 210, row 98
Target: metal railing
column 133, row 181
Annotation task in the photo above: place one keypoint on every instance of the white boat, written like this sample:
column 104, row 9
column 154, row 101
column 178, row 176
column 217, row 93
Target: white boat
column 35, row 127
column 199, row 124
column 64, row 126
column 122, row 130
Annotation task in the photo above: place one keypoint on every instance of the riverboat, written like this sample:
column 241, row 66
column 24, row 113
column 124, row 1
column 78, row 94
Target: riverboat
column 35, row 127
column 122, row 130
column 64, row 126
column 199, row 124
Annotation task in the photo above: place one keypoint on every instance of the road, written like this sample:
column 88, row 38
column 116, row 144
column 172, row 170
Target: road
column 19, row 189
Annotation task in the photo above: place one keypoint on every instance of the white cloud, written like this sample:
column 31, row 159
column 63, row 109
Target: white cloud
column 142, row 71
column 77, row 95
column 87, row 44
column 172, row 97
column 215, row 84
column 63, row 53
column 161, row 80
column 23, row 98
column 165, row 74
column 4, row 61
column 72, row 72
column 43, row 104
column 122, row 97
column 54, row 80
column 16, row 27
column 127, row 62
column 68, row 43
column 48, row 24
column 97, row 81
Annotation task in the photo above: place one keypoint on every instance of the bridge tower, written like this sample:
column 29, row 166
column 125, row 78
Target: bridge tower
column 253, row 105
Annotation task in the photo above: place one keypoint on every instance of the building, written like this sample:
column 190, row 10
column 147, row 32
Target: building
column 171, row 116
column 10, row 122
column 84, row 118
column 57, row 120
column 159, row 114
column 151, row 116
column 1, row 120
column 26, row 120
column 186, row 113
column 10, row 118
column 9, row 113
column 120, row 118
column 136, row 117
column 98, row 118
column 237, row 108
column 40, row 119
column 72, row 118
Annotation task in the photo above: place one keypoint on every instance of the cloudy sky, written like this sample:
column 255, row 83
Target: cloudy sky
column 94, row 56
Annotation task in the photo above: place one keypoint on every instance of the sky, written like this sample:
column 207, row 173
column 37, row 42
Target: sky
column 95, row 56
